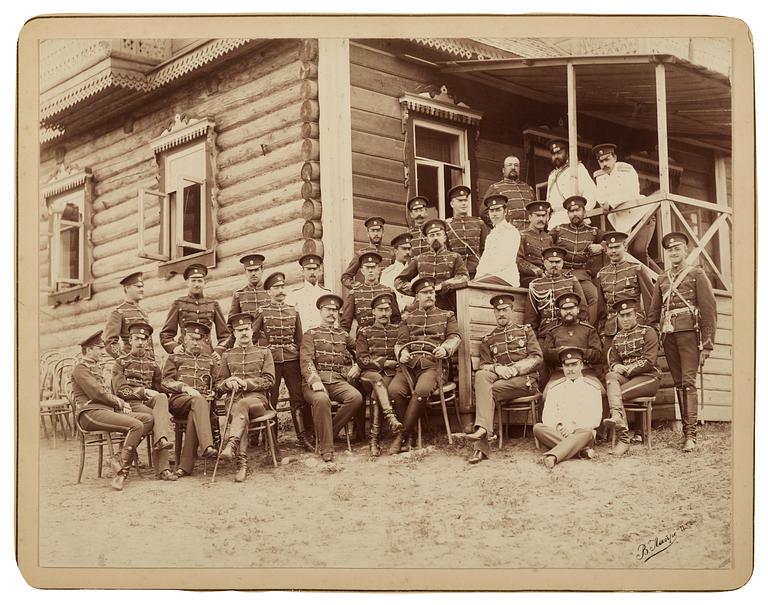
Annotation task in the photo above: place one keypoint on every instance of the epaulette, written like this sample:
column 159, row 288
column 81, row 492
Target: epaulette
column 623, row 167
column 586, row 323
column 598, row 172
column 594, row 384
column 556, row 382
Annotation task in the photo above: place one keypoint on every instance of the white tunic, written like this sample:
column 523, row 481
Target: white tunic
column 500, row 255
column 304, row 299
column 573, row 401
column 387, row 278
column 614, row 189
column 560, row 187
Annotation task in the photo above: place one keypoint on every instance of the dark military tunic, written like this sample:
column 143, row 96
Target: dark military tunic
column 637, row 349
column 375, row 345
column 278, row 327
column 579, row 334
column 352, row 277
column 532, row 242
column 248, row 299
column 575, row 241
column 441, row 266
column 89, row 389
column 185, row 369
column 518, row 195
column 419, row 243
column 509, row 345
column 193, row 308
column 116, row 330
column 434, row 326
column 358, row 306
column 466, row 236
column 132, row 374
column 540, row 309
column 251, row 363
column 618, row 282
column 327, row 354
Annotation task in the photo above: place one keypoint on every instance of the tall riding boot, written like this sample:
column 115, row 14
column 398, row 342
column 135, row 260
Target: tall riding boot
column 380, row 391
column 691, row 397
column 680, row 395
column 241, row 459
column 412, row 415
column 618, row 419
column 358, row 420
column 375, row 428
column 301, row 433
column 230, row 449
column 126, row 459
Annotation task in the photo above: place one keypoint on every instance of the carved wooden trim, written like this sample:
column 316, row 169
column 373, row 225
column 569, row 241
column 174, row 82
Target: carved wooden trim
column 181, row 130
column 439, row 104
column 64, row 179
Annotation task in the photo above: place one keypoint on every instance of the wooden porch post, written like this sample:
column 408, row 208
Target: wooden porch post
column 573, row 142
column 724, row 233
column 661, row 121
column 334, row 96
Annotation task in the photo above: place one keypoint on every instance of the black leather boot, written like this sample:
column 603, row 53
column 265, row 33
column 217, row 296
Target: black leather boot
column 691, row 397
column 301, row 433
column 375, row 428
column 127, row 455
column 230, row 449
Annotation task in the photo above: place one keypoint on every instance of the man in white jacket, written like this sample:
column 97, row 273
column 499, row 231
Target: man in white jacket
column 561, row 186
column 498, row 264
column 572, row 412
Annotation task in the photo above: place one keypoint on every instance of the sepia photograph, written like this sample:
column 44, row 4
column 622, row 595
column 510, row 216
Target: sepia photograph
column 424, row 306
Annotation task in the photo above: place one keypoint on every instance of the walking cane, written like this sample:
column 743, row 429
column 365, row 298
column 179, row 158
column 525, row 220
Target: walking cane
column 700, row 411
column 224, row 435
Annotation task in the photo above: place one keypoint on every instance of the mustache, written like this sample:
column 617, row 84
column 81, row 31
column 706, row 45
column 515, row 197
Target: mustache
column 435, row 245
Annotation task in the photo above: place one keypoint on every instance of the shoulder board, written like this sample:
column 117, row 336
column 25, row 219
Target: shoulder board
column 124, row 357
column 586, row 323
column 598, row 172
column 554, row 383
column 594, row 384
column 624, row 167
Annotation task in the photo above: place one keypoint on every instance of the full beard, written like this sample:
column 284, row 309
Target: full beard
column 435, row 246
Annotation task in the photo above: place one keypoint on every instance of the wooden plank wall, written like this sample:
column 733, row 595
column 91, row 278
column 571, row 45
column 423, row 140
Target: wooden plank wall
column 265, row 111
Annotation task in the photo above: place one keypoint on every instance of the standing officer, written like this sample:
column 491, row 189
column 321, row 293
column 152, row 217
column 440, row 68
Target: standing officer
column 632, row 369
column 427, row 323
column 466, row 234
column 684, row 308
column 127, row 312
column 620, row 279
column 188, row 377
column 519, row 193
column 402, row 246
column 497, row 266
column 375, row 226
column 99, row 410
column 540, row 308
column 328, row 368
column 357, row 306
column 572, row 411
column 251, row 297
column 247, row 370
column 194, row 307
column 446, row 268
column 375, row 352
column 580, row 241
column 304, row 298
column 533, row 241
column 617, row 184
column 509, row 357
column 279, row 325
column 136, row 378
column 560, row 185
column 568, row 331
column 417, row 215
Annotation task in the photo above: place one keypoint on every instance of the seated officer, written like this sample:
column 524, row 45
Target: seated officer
column 572, row 410
column 136, row 378
column 570, row 332
column 509, row 356
column 427, row 323
column 99, row 410
column 375, row 351
column 633, row 372
column 188, row 377
column 327, row 369
column 248, row 371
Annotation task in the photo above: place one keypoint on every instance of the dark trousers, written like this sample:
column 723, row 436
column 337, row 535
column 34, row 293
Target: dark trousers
column 409, row 405
column 590, row 292
column 682, row 351
column 251, row 405
column 197, row 411
column 563, row 448
column 621, row 389
column 157, row 407
column 327, row 426
column 291, row 373
column 135, row 425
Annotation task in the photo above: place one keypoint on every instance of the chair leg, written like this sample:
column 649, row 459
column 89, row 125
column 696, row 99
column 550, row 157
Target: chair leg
column 649, row 421
column 101, row 452
column 150, row 441
column 271, row 442
column 502, row 427
column 82, row 457
column 178, row 438
column 419, row 442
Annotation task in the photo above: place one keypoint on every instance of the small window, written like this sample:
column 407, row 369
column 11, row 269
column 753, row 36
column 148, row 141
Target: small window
column 67, row 199
column 176, row 225
column 442, row 162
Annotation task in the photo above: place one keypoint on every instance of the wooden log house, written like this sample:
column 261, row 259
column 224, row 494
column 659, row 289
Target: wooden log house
column 159, row 153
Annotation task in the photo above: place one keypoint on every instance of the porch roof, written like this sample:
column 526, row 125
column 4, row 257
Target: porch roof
column 620, row 89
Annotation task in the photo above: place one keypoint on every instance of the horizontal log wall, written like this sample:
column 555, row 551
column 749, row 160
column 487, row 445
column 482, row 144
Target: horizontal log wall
column 265, row 110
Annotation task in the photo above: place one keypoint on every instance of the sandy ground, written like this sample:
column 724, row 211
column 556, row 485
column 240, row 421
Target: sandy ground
column 427, row 508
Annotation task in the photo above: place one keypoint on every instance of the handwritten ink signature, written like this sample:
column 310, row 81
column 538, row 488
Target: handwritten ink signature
column 661, row 542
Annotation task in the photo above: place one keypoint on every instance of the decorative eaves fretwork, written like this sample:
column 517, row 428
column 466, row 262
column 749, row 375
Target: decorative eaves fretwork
column 195, row 59
column 180, row 131
column 463, row 48
column 439, row 104
column 64, row 179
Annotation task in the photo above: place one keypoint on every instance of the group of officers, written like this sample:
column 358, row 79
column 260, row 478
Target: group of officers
column 589, row 338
